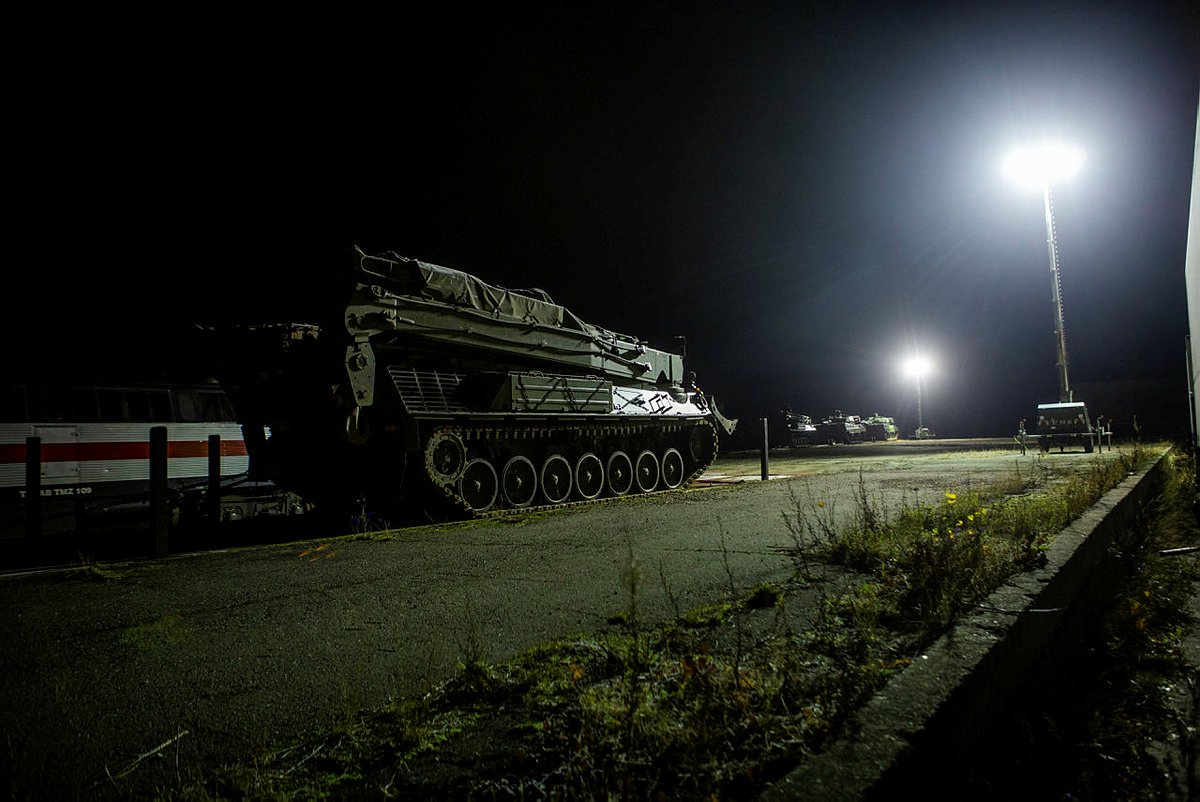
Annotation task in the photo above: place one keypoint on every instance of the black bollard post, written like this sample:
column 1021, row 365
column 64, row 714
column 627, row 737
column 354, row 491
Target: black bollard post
column 33, row 487
column 159, row 503
column 766, row 473
column 212, row 499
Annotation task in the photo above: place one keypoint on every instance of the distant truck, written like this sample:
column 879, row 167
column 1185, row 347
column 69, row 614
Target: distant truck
column 1063, row 425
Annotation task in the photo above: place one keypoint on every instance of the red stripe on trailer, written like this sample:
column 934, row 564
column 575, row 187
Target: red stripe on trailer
column 87, row 452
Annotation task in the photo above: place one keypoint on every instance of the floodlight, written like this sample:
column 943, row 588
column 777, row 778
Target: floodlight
column 1040, row 168
column 1044, row 165
column 917, row 366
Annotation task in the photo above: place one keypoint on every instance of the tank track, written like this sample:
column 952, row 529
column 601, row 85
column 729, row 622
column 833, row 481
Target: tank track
column 588, row 453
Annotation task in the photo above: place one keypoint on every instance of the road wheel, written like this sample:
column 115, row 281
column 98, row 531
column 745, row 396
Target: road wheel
column 518, row 481
column 589, row 476
column 619, row 473
column 646, row 472
column 556, row 479
column 478, row 485
column 672, row 468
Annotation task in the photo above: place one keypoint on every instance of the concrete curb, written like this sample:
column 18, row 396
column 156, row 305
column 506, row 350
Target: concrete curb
column 918, row 731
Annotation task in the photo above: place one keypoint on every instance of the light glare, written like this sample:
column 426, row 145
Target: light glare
column 917, row 366
column 1043, row 166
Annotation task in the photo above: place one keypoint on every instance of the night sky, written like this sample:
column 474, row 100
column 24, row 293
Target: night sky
column 809, row 194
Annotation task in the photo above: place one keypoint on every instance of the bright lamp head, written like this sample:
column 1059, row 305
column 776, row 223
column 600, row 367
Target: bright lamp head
column 1044, row 165
column 917, row 366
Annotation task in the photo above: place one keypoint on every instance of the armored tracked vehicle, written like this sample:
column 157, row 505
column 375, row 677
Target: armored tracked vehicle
column 439, row 394
column 840, row 428
column 881, row 427
column 801, row 431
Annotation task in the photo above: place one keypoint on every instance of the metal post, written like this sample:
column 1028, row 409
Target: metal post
column 766, row 473
column 920, row 421
column 213, row 497
column 159, row 503
column 33, row 487
column 1064, row 385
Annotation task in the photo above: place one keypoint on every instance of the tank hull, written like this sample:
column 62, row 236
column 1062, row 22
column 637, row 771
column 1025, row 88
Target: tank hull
column 447, row 396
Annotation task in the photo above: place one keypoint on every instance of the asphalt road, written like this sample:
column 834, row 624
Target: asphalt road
column 219, row 654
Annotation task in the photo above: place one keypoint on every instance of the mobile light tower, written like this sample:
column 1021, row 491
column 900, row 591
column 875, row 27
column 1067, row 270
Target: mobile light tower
column 1041, row 168
column 918, row 367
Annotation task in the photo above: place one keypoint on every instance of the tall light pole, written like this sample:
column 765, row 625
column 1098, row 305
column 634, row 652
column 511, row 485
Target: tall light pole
column 1039, row 168
column 917, row 367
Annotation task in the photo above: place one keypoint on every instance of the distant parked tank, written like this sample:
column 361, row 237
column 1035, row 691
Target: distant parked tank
column 841, row 428
column 880, row 427
column 801, row 431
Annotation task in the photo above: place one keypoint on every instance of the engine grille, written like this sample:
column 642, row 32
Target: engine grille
column 427, row 390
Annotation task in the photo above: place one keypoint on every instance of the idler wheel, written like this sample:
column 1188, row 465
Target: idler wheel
column 619, row 473
column 589, row 476
column 701, row 445
column 478, row 486
column 672, row 468
column 556, row 479
column 518, row 482
column 445, row 458
column 646, row 471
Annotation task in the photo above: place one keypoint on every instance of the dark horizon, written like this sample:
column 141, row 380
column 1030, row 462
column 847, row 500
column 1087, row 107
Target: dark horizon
column 809, row 195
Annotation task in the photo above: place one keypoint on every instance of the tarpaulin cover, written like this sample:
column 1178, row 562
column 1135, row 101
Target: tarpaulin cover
column 437, row 283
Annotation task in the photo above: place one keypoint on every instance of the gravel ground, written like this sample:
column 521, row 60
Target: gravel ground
column 134, row 676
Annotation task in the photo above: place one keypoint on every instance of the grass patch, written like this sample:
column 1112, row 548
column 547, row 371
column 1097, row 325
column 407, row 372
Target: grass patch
column 1141, row 735
column 720, row 702
column 931, row 562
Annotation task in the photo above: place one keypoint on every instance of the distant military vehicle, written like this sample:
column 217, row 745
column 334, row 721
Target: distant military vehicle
column 880, row 427
column 1064, row 424
column 801, row 431
column 841, row 428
